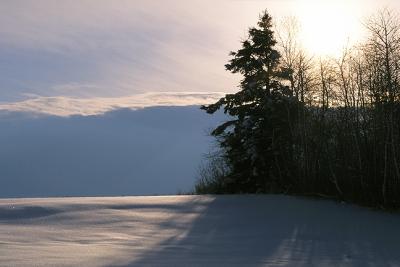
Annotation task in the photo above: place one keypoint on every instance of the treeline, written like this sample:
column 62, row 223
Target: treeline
column 301, row 125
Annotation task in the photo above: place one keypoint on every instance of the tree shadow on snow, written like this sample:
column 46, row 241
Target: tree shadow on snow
column 280, row 231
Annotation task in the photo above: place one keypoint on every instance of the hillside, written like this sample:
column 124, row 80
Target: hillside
column 195, row 231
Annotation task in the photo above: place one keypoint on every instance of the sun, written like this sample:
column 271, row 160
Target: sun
column 327, row 27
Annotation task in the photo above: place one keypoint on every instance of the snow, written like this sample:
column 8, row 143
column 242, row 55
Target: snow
column 269, row 230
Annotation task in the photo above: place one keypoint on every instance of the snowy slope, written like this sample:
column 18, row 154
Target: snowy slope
column 195, row 231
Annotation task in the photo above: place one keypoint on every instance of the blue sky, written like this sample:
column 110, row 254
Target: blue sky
column 97, row 49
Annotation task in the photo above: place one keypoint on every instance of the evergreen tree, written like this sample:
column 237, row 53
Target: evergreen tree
column 259, row 136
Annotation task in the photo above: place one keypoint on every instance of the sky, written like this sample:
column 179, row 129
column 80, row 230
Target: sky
column 90, row 56
column 155, row 150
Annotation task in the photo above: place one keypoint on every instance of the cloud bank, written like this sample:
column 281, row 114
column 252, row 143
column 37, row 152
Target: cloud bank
column 64, row 106
column 146, row 151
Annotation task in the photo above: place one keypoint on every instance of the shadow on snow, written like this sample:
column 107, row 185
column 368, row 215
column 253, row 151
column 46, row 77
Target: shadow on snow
column 279, row 231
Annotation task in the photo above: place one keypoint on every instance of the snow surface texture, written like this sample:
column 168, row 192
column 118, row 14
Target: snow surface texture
column 195, row 231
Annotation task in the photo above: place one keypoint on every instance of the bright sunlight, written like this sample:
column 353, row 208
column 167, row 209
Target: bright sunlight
column 329, row 26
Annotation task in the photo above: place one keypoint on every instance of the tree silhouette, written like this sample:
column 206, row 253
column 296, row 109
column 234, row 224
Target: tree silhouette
column 325, row 127
column 258, row 136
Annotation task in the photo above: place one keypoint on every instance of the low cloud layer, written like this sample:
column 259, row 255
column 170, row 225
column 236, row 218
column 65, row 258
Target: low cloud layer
column 66, row 106
column 124, row 152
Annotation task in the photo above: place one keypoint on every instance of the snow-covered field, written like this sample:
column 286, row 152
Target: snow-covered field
column 195, row 231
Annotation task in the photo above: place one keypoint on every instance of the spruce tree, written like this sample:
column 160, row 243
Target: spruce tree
column 258, row 137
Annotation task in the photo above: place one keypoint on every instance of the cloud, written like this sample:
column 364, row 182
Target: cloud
column 130, row 46
column 144, row 151
column 81, row 49
column 67, row 106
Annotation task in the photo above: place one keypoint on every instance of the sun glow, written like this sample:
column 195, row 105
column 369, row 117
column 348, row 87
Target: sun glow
column 327, row 26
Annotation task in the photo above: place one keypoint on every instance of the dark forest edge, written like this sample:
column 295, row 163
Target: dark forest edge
column 304, row 126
